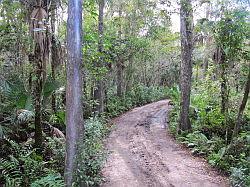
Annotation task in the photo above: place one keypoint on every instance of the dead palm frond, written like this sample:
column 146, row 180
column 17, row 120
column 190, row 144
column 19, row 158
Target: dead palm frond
column 38, row 29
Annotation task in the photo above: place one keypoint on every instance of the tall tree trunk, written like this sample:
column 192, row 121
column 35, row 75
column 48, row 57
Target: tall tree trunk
column 224, row 89
column 119, row 64
column 31, row 61
column 197, row 75
column 99, row 91
column 119, row 78
column 53, row 58
column 221, row 60
column 74, row 111
column 237, row 126
column 41, row 46
column 186, row 30
column 206, row 58
column 38, row 88
column 205, row 66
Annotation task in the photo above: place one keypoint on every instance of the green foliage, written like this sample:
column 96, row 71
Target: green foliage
column 13, row 33
column 92, row 154
column 234, row 159
column 58, row 118
column 23, row 166
column 196, row 140
column 54, row 153
column 10, row 176
column 211, row 136
column 137, row 96
column 141, row 39
column 174, row 94
column 51, row 180
column 239, row 177
column 232, row 31
column 14, row 89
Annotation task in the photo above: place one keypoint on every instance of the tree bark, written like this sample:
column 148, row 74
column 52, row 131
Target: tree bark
column 119, row 78
column 221, row 60
column 224, row 89
column 206, row 58
column 186, row 30
column 205, row 66
column 119, row 64
column 31, row 61
column 41, row 46
column 74, row 111
column 237, row 126
column 38, row 88
column 53, row 59
column 99, row 91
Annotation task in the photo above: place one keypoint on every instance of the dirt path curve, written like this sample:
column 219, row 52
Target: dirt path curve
column 143, row 154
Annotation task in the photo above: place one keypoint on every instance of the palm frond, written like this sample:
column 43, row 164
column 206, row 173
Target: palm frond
column 4, row 85
column 24, row 116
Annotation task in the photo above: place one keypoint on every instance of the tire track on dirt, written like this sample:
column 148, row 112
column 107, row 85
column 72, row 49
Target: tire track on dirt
column 143, row 154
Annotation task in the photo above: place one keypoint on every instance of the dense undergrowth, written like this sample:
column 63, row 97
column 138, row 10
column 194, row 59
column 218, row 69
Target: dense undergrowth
column 211, row 134
column 20, row 165
column 137, row 96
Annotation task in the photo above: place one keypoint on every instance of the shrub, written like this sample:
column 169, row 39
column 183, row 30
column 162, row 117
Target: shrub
column 239, row 177
column 92, row 153
column 137, row 96
column 24, row 166
column 51, row 180
column 211, row 133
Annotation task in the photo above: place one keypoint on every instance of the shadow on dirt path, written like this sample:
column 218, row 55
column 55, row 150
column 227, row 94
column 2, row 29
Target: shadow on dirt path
column 142, row 154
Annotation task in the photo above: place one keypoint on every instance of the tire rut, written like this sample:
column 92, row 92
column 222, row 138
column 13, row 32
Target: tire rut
column 143, row 154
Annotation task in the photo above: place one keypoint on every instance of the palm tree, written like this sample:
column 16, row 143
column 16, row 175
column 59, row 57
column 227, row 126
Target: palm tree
column 39, row 32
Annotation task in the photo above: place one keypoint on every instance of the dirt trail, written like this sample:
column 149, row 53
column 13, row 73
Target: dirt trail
column 143, row 154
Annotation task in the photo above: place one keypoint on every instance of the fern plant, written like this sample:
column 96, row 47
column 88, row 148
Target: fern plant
column 23, row 166
column 51, row 180
column 9, row 172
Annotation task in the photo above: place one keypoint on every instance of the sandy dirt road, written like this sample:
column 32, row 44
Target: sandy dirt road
column 143, row 154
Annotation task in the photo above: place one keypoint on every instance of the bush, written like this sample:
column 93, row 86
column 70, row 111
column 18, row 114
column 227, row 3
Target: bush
column 24, row 166
column 21, row 165
column 196, row 140
column 51, row 180
column 211, row 133
column 239, row 177
column 54, row 153
column 137, row 96
column 92, row 153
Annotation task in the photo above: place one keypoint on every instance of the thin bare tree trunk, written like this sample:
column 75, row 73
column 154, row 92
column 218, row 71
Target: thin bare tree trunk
column 220, row 59
column 186, row 16
column 237, row 126
column 205, row 66
column 119, row 64
column 206, row 58
column 53, row 58
column 31, row 61
column 224, row 90
column 99, row 92
column 74, row 111
column 119, row 78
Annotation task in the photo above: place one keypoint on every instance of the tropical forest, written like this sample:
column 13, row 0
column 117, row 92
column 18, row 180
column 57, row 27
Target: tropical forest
column 124, row 93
